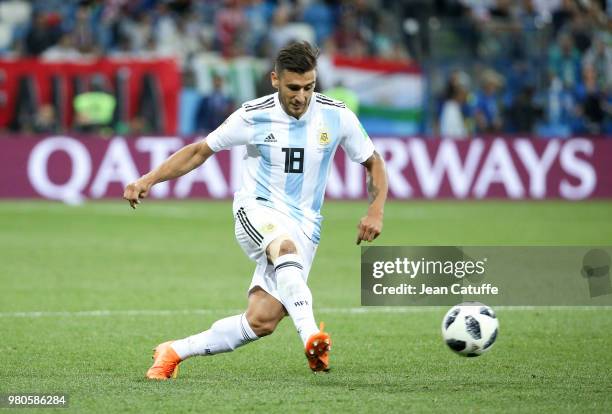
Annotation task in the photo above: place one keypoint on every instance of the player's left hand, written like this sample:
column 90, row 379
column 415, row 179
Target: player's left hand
column 369, row 228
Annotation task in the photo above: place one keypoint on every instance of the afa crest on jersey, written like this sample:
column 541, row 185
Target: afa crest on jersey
column 323, row 138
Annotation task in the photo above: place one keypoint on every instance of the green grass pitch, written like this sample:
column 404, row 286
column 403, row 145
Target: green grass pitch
column 111, row 283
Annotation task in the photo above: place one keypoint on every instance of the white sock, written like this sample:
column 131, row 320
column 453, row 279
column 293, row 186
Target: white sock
column 225, row 335
column 295, row 294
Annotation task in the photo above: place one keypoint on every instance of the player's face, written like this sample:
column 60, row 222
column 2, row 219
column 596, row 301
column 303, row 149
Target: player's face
column 294, row 90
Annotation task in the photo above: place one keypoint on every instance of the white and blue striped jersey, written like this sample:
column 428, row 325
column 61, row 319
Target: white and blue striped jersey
column 287, row 160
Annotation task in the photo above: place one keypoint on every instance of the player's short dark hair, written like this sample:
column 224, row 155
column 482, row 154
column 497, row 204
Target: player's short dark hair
column 298, row 57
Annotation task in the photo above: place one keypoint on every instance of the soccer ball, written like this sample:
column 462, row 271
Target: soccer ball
column 470, row 328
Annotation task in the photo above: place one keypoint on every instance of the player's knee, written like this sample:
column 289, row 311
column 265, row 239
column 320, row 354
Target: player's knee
column 287, row 247
column 261, row 326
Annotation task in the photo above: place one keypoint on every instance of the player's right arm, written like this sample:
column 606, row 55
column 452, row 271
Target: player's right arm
column 178, row 164
column 234, row 131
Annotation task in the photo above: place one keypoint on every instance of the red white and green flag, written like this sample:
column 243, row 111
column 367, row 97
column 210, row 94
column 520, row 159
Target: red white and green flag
column 391, row 93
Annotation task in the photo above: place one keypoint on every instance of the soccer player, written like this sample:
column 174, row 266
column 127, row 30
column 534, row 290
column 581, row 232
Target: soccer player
column 290, row 137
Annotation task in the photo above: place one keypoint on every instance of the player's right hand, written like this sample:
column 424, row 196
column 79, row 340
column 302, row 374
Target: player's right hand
column 136, row 191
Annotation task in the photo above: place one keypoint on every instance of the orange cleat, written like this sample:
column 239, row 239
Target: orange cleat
column 165, row 362
column 317, row 350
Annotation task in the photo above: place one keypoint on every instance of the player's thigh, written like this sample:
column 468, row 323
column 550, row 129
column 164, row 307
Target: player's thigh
column 283, row 244
column 291, row 241
column 255, row 228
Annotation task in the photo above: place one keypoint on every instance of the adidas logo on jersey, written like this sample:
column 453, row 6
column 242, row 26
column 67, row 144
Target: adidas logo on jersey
column 270, row 138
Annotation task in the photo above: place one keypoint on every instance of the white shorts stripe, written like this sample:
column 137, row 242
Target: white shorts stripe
column 248, row 227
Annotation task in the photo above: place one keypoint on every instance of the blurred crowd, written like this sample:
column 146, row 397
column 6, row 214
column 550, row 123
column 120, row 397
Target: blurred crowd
column 492, row 66
column 542, row 67
column 69, row 29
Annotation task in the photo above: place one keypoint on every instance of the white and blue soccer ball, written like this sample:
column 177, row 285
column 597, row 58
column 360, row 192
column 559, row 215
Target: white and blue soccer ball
column 470, row 328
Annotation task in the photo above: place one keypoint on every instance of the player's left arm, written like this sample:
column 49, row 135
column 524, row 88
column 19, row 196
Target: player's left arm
column 370, row 226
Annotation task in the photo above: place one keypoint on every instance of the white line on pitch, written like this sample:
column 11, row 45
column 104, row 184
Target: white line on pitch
column 355, row 310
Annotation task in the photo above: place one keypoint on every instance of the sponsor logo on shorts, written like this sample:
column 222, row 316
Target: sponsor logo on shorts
column 267, row 228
